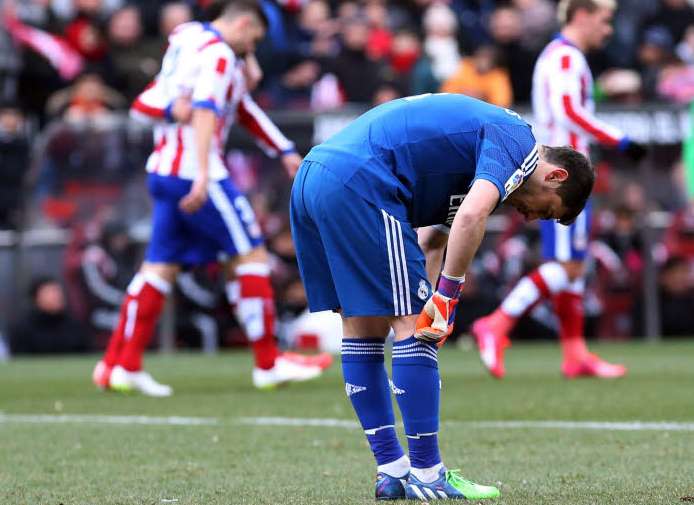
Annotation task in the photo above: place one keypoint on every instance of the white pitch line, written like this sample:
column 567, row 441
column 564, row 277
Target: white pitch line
column 298, row 421
column 102, row 419
column 561, row 425
column 331, row 423
column 580, row 425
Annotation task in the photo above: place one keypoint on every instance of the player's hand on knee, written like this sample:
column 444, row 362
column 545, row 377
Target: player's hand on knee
column 435, row 322
column 196, row 197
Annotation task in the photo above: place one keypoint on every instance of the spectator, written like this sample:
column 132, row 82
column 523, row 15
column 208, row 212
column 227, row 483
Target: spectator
column 380, row 36
column 675, row 16
column 676, row 297
column 83, row 32
column 654, row 54
column 134, row 59
column 538, row 22
column 357, row 86
column 294, row 88
column 172, row 15
column 47, row 327
column 506, row 30
column 404, row 54
column 106, row 267
column 386, row 92
column 14, row 164
column 685, row 49
column 441, row 57
column 621, row 85
column 87, row 100
column 481, row 76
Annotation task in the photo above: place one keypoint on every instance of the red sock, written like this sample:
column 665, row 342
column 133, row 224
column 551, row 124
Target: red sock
column 139, row 316
column 569, row 309
column 115, row 343
column 252, row 299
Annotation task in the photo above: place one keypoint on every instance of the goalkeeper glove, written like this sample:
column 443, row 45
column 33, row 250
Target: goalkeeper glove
column 435, row 322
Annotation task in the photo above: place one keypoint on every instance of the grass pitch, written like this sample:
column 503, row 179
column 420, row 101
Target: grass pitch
column 103, row 460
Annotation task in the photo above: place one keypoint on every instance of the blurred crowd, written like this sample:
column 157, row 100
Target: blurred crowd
column 101, row 53
column 83, row 61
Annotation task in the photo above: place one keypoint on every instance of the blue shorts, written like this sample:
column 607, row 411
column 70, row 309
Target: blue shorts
column 352, row 255
column 225, row 224
column 567, row 243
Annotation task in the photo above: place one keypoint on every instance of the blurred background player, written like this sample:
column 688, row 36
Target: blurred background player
column 563, row 108
column 198, row 213
column 422, row 161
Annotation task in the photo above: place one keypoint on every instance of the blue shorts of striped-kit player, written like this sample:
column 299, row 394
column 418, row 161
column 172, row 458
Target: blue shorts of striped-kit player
column 567, row 243
column 224, row 225
column 352, row 255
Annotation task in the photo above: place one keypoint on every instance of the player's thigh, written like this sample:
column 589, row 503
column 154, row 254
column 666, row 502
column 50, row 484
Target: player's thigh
column 566, row 243
column 310, row 253
column 375, row 260
column 226, row 223
column 169, row 239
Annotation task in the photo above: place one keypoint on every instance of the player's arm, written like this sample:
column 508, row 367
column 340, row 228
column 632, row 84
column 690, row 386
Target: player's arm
column 435, row 322
column 208, row 101
column 432, row 240
column 468, row 227
column 567, row 104
column 204, row 123
column 150, row 106
column 267, row 135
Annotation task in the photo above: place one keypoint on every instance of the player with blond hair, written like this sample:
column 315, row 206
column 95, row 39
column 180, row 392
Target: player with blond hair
column 564, row 115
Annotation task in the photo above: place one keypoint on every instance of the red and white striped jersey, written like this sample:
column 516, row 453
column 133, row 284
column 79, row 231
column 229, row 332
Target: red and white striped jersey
column 562, row 98
column 200, row 65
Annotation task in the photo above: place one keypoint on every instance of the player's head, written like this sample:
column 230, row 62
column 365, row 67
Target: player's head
column 558, row 188
column 591, row 20
column 242, row 23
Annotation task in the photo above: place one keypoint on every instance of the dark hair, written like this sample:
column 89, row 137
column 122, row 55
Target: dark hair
column 219, row 8
column 576, row 189
column 567, row 8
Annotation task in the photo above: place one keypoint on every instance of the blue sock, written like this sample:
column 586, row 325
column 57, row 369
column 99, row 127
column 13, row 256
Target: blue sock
column 366, row 384
column 417, row 390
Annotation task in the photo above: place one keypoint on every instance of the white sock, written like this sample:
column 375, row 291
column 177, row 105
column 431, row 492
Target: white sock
column 577, row 287
column 520, row 298
column 554, row 276
column 427, row 475
column 527, row 293
column 398, row 468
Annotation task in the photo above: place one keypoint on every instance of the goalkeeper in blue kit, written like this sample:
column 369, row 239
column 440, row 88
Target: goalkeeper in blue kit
column 440, row 164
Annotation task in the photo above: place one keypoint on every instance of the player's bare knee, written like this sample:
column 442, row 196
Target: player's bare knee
column 403, row 327
column 574, row 269
column 365, row 327
column 165, row 271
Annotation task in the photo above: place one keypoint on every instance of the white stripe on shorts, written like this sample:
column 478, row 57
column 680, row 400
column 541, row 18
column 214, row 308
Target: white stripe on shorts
column 562, row 242
column 230, row 218
column 397, row 262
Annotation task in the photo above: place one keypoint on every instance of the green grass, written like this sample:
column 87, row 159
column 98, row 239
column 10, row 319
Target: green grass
column 229, row 463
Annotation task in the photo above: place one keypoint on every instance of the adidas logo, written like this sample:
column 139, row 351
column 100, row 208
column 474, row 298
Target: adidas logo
column 351, row 389
column 396, row 390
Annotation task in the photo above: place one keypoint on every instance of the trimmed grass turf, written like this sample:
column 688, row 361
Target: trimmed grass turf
column 233, row 463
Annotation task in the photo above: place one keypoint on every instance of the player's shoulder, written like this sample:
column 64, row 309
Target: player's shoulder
column 512, row 131
column 185, row 32
column 560, row 52
column 200, row 38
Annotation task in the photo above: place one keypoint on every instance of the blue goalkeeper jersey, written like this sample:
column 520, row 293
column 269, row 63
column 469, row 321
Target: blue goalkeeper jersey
column 417, row 157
